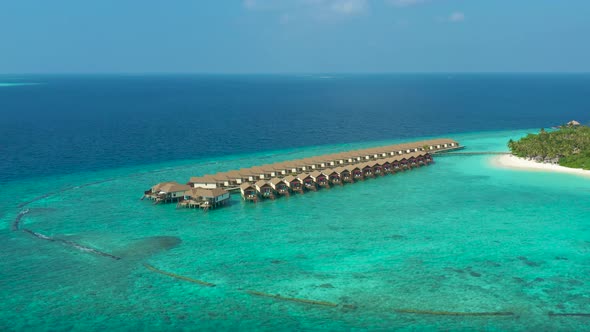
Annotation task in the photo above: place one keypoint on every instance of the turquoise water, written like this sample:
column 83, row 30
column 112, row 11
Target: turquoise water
column 459, row 236
column 15, row 84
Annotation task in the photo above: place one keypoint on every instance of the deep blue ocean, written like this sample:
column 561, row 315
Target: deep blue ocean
column 461, row 245
column 65, row 124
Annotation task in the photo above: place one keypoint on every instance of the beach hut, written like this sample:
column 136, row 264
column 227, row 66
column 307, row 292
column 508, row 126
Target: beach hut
column 294, row 183
column 206, row 181
column 264, row 189
column 167, row 192
column 280, row 186
column 357, row 173
column 333, row 176
column 412, row 162
column 206, row 198
column 307, row 181
column 344, row 173
column 249, row 192
column 428, row 158
column 294, row 167
column 377, row 168
column 236, row 177
column 340, row 159
column 320, row 178
column 353, row 157
column 271, row 170
column 367, row 170
column 261, row 172
column 281, row 169
column 386, row 166
column 249, row 174
column 316, row 163
column 404, row 165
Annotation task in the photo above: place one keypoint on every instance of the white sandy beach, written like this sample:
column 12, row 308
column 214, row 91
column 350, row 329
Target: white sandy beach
column 513, row 162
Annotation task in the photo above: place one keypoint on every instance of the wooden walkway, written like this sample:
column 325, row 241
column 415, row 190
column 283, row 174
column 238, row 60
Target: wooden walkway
column 471, row 153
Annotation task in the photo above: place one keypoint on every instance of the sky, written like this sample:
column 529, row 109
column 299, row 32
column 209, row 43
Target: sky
column 294, row 36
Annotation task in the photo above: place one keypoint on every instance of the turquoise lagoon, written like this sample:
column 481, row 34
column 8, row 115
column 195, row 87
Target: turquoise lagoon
column 458, row 236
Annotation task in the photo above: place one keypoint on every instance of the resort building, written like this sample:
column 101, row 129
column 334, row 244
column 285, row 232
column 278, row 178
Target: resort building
column 205, row 198
column 344, row 173
column 307, row 181
column 167, row 192
column 293, row 183
column 320, row 178
column 206, row 181
column 367, row 170
column 357, row 173
column 264, row 189
column 291, row 176
column 249, row 192
column 333, row 176
column 280, row 186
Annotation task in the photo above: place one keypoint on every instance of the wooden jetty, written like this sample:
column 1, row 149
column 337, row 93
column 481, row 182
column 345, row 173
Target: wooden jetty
column 297, row 176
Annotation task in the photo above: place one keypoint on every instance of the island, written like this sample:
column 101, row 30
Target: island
column 565, row 148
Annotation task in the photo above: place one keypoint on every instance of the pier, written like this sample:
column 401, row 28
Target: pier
column 271, row 181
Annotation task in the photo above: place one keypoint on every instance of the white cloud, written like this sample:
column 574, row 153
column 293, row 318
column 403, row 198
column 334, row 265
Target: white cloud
column 349, row 7
column 456, row 17
column 319, row 9
column 285, row 19
column 405, row 3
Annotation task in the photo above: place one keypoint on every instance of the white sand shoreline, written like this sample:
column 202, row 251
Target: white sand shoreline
column 513, row 162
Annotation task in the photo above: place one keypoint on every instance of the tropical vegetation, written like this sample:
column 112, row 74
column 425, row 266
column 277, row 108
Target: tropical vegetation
column 568, row 145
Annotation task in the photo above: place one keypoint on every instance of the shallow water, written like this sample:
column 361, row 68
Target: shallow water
column 458, row 236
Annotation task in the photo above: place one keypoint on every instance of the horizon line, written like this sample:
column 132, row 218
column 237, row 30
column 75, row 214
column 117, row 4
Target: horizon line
column 300, row 73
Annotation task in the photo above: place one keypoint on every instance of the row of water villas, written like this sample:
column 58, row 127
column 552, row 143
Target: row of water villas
column 297, row 176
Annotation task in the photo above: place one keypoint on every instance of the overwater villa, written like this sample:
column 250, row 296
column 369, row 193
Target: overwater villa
column 307, row 181
column 264, row 189
column 280, row 186
column 249, row 192
column 357, row 173
column 344, row 173
column 166, row 192
column 293, row 183
column 320, row 179
column 204, row 198
column 367, row 170
column 282, row 178
column 333, row 176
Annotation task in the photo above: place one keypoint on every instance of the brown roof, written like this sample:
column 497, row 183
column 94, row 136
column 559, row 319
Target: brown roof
column 169, row 187
column 341, row 169
column 234, row 175
column 257, row 169
column 204, row 192
column 289, row 178
column 246, row 185
column 328, row 171
column 302, row 175
column 269, row 167
column 275, row 181
column 260, row 183
column 202, row 179
column 246, row 172
column 315, row 174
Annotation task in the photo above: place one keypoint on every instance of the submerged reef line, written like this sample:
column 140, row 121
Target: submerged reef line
column 292, row 299
column 453, row 313
column 176, row 276
column 568, row 314
column 19, row 217
column 16, row 227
